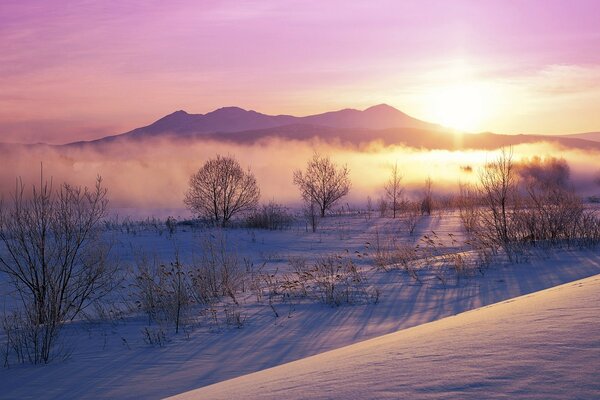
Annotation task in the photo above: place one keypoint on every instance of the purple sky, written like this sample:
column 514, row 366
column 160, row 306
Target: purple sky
column 84, row 69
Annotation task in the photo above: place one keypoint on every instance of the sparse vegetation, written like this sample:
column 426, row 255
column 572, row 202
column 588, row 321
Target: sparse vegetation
column 271, row 216
column 333, row 280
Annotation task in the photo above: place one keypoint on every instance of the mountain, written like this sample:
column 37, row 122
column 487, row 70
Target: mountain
column 378, row 123
column 381, row 116
column 593, row 136
column 235, row 119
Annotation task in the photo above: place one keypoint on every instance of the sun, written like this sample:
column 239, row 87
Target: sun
column 461, row 106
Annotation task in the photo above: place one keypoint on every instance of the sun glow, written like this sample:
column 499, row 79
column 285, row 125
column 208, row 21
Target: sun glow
column 462, row 106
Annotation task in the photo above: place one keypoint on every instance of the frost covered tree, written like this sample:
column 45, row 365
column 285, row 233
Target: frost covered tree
column 498, row 192
column 221, row 189
column 393, row 189
column 323, row 182
column 54, row 258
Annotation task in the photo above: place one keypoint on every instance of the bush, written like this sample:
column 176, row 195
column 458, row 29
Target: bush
column 219, row 272
column 271, row 216
column 56, row 260
column 333, row 280
column 162, row 292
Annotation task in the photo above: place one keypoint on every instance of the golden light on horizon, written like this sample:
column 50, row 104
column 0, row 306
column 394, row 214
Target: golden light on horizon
column 462, row 106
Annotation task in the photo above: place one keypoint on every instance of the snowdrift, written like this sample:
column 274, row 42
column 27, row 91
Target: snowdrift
column 543, row 345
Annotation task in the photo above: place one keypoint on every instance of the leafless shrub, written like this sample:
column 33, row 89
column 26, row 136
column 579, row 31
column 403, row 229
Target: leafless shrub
column 55, row 258
column 218, row 272
column 155, row 336
column 380, row 248
column 333, row 280
column 588, row 229
column 427, row 201
column 233, row 316
column 271, row 216
column 468, row 207
column 382, row 206
column 448, row 258
column 163, row 293
column 499, row 195
column 19, row 334
column 265, row 283
column 553, row 210
column 311, row 215
column 171, row 224
column 411, row 216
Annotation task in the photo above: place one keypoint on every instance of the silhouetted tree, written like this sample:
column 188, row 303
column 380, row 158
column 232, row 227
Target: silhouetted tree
column 323, row 183
column 498, row 191
column 393, row 189
column 221, row 189
column 427, row 202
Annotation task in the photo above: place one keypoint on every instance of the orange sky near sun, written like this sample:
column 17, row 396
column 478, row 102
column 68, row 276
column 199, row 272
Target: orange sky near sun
column 73, row 70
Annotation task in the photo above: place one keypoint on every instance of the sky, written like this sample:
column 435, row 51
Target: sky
column 76, row 70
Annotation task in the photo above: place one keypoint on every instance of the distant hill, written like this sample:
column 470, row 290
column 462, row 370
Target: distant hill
column 378, row 123
column 594, row 136
column 235, row 119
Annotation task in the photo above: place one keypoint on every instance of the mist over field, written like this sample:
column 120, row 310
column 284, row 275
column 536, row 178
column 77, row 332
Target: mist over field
column 153, row 173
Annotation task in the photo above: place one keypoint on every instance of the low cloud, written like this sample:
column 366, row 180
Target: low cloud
column 154, row 174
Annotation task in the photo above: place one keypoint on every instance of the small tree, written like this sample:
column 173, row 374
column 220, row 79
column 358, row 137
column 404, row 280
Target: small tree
column 394, row 190
column 498, row 192
column 221, row 189
column 427, row 202
column 323, row 182
column 467, row 203
column 55, row 259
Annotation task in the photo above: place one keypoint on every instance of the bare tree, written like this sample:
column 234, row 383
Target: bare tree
column 221, row 189
column 323, row 182
column 393, row 189
column 468, row 207
column 310, row 213
column 554, row 209
column 54, row 257
column 427, row 202
column 498, row 192
column 411, row 216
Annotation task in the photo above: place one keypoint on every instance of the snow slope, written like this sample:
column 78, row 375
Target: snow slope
column 110, row 359
column 544, row 345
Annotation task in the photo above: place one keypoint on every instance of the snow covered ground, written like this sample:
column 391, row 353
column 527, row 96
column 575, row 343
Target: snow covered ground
column 109, row 359
column 540, row 346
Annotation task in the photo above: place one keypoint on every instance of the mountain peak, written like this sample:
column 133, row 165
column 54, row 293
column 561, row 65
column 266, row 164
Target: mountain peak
column 229, row 110
column 174, row 116
column 237, row 119
column 178, row 113
column 382, row 108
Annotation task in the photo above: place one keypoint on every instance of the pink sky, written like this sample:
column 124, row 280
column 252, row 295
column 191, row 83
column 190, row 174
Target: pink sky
column 74, row 70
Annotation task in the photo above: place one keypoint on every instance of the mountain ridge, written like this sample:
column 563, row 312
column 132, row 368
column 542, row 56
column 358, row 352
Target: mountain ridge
column 380, row 122
column 236, row 119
